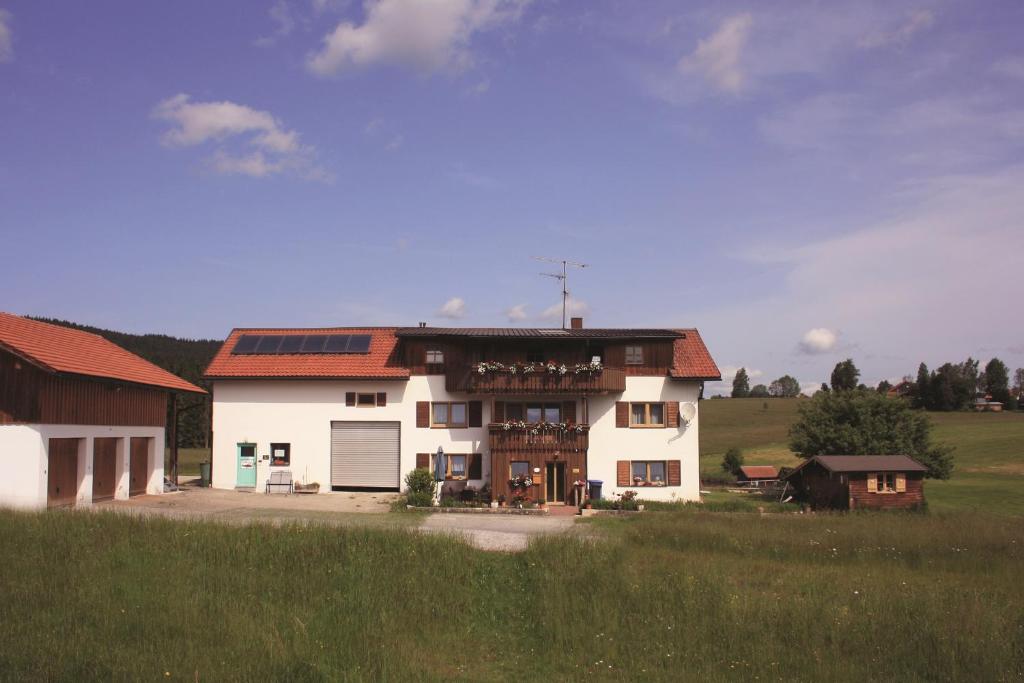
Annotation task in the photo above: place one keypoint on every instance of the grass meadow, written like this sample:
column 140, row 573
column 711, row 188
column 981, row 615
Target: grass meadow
column 667, row 596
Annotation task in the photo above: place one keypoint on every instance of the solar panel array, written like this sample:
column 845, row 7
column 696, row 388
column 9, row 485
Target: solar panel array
column 277, row 344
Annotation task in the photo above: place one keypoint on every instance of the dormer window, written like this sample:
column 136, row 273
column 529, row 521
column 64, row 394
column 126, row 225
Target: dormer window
column 435, row 357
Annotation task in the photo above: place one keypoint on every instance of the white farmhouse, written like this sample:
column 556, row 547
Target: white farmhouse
column 358, row 408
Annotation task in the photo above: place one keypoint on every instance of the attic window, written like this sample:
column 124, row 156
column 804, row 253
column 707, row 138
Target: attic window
column 435, row 357
column 634, row 355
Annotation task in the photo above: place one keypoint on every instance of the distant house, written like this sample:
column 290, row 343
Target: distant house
column 983, row 403
column 901, row 390
column 855, row 482
column 81, row 419
column 756, row 475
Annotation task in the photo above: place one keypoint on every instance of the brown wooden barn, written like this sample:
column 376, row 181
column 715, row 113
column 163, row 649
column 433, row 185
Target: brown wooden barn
column 858, row 482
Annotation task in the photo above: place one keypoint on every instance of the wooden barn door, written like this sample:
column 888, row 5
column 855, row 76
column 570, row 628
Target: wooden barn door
column 62, row 472
column 138, row 465
column 104, row 468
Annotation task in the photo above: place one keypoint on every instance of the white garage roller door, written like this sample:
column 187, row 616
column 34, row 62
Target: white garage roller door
column 365, row 454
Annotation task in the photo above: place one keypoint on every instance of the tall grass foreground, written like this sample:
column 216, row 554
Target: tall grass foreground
column 666, row 596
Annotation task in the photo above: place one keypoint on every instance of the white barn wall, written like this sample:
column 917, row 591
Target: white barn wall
column 23, row 452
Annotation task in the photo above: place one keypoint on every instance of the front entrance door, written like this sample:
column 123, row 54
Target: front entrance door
column 246, row 466
column 554, row 482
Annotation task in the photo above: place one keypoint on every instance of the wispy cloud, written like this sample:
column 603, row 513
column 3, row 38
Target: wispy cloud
column 572, row 307
column 273, row 148
column 818, row 340
column 1011, row 67
column 918, row 20
column 6, row 36
column 428, row 35
column 284, row 23
column 454, row 308
column 517, row 313
column 717, row 58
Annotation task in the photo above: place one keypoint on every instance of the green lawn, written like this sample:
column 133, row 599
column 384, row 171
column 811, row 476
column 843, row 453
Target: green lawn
column 989, row 453
column 664, row 597
column 188, row 460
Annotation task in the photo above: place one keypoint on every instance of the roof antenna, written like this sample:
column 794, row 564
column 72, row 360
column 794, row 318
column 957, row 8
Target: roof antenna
column 563, row 277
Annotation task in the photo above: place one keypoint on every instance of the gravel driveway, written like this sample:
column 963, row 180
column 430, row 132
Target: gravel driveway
column 498, row 532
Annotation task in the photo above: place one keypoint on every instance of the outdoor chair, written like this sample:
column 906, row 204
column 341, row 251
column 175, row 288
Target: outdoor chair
column 280, row 482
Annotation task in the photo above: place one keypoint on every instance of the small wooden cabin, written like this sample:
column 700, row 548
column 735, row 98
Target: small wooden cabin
column 756, row 475
column 857, row 482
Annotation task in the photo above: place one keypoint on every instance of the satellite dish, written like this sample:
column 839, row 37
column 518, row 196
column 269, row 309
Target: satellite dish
column 688, row 411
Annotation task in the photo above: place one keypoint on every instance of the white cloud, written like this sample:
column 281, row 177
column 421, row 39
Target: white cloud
column 276, row 148
column 572, row 307
column 717, row 57
column 6, row 37
column 453, row 308
column 918, row 20
column 729, row 372
column 517, row 313
column 284, row 23
column 425, row 34
column 819, row 340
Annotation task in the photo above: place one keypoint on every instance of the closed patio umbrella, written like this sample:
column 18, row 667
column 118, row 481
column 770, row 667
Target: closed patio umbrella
column 440, row 465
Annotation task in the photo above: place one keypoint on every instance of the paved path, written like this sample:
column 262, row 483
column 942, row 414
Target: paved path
column 498, row 532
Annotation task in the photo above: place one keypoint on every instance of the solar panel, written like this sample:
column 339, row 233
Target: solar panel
column 269, row 343
column 336, row 343
column 359, row 343
column 246, row 343
column 314, row 343
column 291, row 343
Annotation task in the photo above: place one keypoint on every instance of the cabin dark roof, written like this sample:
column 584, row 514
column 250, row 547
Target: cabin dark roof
column 865, row 463
column 538, row 333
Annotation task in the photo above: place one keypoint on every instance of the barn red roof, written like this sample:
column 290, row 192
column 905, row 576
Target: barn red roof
column 59, row 349
column 691, row 359
column 759, row 472
column 380, row 363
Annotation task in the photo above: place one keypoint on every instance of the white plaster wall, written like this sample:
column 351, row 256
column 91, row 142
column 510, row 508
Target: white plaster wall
column 23, row 454
column 300, row 412
column 609, row 444
column 23, row 463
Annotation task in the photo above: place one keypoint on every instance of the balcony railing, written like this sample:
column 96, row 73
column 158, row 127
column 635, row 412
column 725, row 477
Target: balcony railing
column 546, row 441
column 466, row 380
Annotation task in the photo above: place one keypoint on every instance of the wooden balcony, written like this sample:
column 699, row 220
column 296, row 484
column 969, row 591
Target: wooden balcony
column 465, row 380
column 503, row 440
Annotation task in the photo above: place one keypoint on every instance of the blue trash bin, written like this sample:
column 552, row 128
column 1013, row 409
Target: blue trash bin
column 595, row 488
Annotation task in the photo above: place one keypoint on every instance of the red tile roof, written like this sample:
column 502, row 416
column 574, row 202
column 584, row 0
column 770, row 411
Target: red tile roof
column 381, row 362
column 66, row 350
column 759, row 472
column 691, row 359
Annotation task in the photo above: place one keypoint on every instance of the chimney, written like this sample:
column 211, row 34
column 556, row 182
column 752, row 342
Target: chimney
column 576, row 323
column 423, row 324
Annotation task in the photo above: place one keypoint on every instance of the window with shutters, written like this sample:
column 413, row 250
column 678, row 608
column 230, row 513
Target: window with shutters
column 885, row 482
column 448, row 415
column 280, row 454
column 648, row 472
column 366, row 400
column 456, row 467
column 435, row 357
column 646, row 414
column 634, row 354
column 534, row 412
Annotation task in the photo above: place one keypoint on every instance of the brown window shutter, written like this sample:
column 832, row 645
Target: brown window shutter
column 901, row 482
column 423, row 461
column 622, row 473
column 675, row 473
column 422, row 413
column 476, row 466
column 350, row 398
column 382, row 399
column 872, row 482
column 499, row 411
column 569, row 411
column 476, row 414
column 672, row 413
column 621, row 414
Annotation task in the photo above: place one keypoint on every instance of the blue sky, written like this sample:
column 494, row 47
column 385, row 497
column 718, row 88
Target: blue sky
column 804, row 182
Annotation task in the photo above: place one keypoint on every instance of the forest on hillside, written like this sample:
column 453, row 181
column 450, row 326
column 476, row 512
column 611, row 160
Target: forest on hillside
column 186, row 358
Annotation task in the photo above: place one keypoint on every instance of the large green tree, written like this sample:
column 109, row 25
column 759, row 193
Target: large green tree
column 866, row 423
column 845, row 376
column 785, row 387
column 741, row 384
column 922, row 388
column 997, row 380
column 759, row 391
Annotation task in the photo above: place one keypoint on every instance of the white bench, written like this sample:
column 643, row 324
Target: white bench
column 280, row 482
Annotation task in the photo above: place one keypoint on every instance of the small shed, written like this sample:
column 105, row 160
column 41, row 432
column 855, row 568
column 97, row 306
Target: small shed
column 855, row 482
column 757, row 475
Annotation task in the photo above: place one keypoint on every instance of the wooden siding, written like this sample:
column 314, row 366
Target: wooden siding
column 104, row 468
column 465, row 380
column 861, row 499
column 501, row 462
column 62, row 472
column 821, row 489
column 554, row 442
column 29, row 395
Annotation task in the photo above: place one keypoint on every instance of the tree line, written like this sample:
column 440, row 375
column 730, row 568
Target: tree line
column 952, row 386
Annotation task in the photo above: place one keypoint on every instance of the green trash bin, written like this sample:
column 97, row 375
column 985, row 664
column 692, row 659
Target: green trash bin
column 204, row 474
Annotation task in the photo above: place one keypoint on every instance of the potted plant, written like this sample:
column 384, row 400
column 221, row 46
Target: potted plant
column 501, row 500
